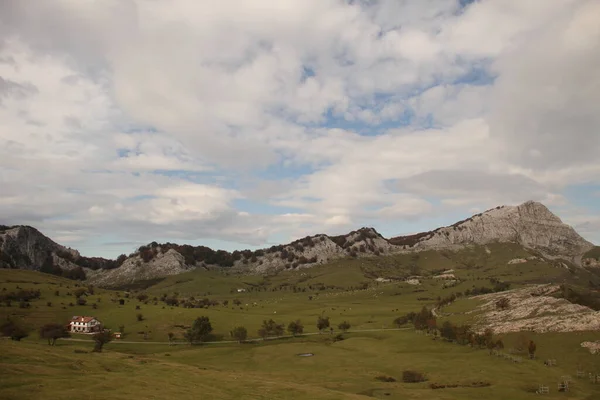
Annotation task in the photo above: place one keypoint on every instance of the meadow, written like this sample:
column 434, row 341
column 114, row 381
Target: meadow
column 143, row 365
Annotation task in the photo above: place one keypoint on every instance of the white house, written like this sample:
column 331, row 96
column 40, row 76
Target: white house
column 85, row 325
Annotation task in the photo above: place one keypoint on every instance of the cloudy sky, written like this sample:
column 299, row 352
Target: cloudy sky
column 243, row 123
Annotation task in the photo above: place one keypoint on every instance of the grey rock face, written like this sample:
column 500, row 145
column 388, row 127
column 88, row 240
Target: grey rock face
column 134, row 269
column 24, row 247
column 530, row 224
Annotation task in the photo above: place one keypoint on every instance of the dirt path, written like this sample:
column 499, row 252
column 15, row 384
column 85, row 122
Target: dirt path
column 235, row 341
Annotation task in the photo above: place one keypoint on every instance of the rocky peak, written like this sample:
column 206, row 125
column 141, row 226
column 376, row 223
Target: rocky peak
column 25, row 247
column 530, row 224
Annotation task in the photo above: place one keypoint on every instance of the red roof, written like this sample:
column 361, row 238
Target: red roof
column 82, row 319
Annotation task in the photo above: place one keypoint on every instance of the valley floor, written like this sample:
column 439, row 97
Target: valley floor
column 345, row 369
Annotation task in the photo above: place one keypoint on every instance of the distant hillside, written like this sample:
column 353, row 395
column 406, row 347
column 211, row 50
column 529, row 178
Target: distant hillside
column 530, row 224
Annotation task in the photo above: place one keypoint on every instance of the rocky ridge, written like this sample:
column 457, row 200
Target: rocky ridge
column 530, row 224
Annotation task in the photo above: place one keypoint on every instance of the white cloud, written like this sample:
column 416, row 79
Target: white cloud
column 314, row 106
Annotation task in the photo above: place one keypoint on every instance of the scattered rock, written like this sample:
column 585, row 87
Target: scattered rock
column 517, row 261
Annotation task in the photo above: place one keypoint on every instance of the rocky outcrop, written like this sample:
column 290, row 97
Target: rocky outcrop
column 319, row 249
column 24, row 247
column 530, row 224
column 134, row 269
column 535, row 309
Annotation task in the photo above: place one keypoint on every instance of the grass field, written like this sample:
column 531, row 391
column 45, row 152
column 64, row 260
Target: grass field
column 343, row 290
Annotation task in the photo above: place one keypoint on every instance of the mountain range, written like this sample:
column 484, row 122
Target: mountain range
column 530, row 225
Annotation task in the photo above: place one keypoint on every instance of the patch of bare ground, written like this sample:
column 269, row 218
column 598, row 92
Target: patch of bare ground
column 532, row 308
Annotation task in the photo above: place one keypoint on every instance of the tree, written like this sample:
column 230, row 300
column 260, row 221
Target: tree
column 531, row 348
column 171, row 337
column 52, row 332
column 142, row 297
column 139, row 317
column 447, row 331
column 344, row 326
column 239, row 333
column 81, row 301
column 122, row 329
column 424, row 319
column 14, row 331
column 503, row 303
column 237, row 302
column 322, row 323
column 270, row 328
column 199, row 331
column 295, row 327
column 499, row 344
column 100, row 339
column 488, row 336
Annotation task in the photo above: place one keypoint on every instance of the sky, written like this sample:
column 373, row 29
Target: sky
column 246, row 123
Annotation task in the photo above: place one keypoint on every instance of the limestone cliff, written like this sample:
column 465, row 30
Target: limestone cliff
column 134, row 269
column 530, row 224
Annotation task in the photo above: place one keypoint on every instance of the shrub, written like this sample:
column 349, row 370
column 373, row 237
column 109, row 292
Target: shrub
column 81, row 301
column 503, row 303
column 270, row 328
column 239, row 333
column 383, row 378
column 322, row 323
column 14, row 331
column 139, row 317
column 412, row 377
column 295, row 327
column 344, row 326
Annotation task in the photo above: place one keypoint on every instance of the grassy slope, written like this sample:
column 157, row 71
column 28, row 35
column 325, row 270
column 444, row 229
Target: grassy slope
column 593, row 253
column 271, row 370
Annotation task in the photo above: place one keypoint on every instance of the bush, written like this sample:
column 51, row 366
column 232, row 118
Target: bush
column 344, row 326
column 383, row 378
column 295, row 327
column 239, row 333
column 412, row 377
column 503, row 303
column 139, row 317
column 11, row 329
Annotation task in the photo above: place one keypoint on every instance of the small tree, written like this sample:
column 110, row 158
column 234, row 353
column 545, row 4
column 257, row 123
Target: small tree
column 322, row 323
column 171, row 337
column 100, row 339
column 139, row 317
column 14, row 331
column 531, row 348
column 499, row 344
column 295, row 327
column 81, row 301
column 239, row 333
column 199, row 331
column 142, row 297
column 122, row 330
column 52, row 332
column 344, row 326
column 270, row 328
